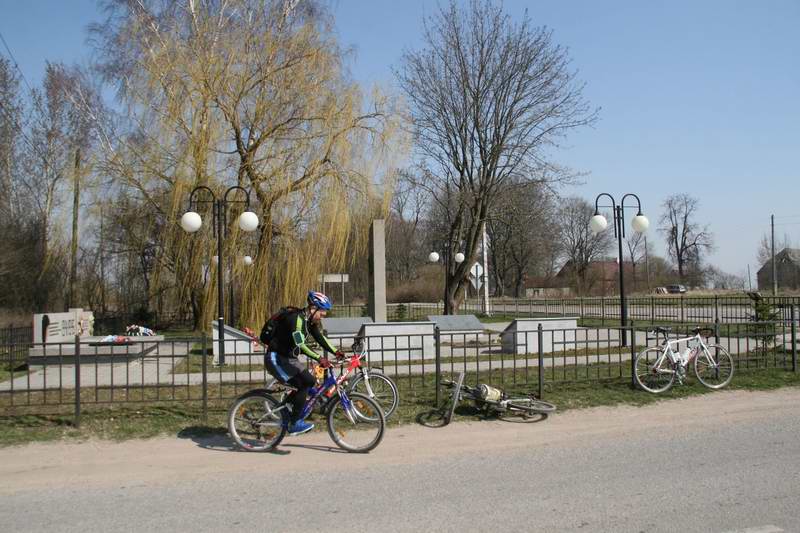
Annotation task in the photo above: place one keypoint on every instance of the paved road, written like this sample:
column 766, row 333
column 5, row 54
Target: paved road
column 724, row 462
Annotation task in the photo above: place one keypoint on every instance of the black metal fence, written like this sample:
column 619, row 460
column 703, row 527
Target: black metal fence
column 40, row 378
column 655, row 309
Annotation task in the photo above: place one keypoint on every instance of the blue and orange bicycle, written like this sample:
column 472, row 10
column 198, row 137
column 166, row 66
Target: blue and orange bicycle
column 257, row 421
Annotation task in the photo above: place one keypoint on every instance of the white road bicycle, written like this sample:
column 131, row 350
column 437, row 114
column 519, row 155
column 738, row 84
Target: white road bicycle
column 656, row 369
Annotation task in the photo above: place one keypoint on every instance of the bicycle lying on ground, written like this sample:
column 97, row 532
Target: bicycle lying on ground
column 257, row 421
column 360, row 378
column 494, row 401
column 655, row 369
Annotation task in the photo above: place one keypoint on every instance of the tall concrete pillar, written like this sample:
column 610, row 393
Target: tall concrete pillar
column 377, row 271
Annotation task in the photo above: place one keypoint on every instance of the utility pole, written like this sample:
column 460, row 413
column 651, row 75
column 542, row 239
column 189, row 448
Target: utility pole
column 73, row 271
column 486, row 310
column 646, row 264
column 102, row 264
column 774, row 264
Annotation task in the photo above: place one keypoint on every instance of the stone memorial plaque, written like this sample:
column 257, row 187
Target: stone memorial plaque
column 457, row 323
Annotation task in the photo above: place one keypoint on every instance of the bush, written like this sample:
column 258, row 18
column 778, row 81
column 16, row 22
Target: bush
column 401, row 313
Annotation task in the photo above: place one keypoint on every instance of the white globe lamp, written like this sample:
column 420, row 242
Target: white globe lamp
column 640, row 223
column 433, row 257
column 191, row 222
column 459, row 257
column 248, row 221
column 598, row 223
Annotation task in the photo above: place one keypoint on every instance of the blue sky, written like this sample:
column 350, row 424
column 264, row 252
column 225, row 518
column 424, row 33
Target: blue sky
column 699, row 97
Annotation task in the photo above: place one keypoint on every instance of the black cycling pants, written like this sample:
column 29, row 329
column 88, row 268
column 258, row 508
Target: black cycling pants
column 297, row 399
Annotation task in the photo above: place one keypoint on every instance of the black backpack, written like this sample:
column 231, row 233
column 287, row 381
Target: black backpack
column 271, row 325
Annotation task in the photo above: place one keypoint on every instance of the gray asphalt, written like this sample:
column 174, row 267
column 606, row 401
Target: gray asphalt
column 703, row 464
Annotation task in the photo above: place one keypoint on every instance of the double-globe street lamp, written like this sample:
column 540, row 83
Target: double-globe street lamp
column 639, row 224
column 433, row 257
column 191, row 222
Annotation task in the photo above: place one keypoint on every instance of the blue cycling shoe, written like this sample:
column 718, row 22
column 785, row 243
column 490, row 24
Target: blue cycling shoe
column 300, row 427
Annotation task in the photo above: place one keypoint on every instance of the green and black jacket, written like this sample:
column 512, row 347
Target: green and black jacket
column 291, row 334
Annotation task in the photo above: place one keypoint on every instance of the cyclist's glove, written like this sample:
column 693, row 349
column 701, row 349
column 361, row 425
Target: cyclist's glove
column 339, row 354
column 324, row 363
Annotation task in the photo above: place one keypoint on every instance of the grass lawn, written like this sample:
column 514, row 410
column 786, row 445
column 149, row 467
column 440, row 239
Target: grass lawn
column 6, row 373
column 184, row 418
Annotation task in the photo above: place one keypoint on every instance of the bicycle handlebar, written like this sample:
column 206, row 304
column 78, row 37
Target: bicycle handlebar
column 697, row 330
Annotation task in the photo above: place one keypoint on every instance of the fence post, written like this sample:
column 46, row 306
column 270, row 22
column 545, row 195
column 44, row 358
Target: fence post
column 716, row 308
column 204, row 364
column 77, row 421
column 633, row 356
column 794, row 340
column 716, row 332
column 603, row 310
column 683, row 311
column 652, row 310
column 436, row 340
column 540, row 342
column 581, row 299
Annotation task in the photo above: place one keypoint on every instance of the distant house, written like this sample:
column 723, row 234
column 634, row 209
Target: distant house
column 787, row 264
column 600, row 279
column 541, row 287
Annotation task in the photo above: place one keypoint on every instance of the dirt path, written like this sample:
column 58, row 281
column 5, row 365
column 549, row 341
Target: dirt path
column 170, row 459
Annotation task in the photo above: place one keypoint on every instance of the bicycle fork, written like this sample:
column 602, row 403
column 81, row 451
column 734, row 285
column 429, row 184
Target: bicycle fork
column 349, row 409
column 366, row 382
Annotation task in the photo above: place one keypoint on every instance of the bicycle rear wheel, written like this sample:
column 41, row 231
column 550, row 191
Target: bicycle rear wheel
column 384, row 390
column 714, row 368
column 653, row 370
column 528, row 407
column 255, row 423
column 357, row 423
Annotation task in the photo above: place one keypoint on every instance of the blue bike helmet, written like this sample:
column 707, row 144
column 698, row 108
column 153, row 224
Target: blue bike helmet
column 319, row 300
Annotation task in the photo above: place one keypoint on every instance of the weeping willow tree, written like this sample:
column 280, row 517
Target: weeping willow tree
column 249, row 93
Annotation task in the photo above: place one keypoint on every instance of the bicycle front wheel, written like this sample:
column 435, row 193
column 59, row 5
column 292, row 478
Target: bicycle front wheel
column 653, row 370
column 714, row 367
column 255, row 422
column 378, row 387
column 528, row 408
column 356, row 424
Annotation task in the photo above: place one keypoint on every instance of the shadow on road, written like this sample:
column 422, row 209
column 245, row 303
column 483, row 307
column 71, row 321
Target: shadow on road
column 209, row 438
column 217, row 439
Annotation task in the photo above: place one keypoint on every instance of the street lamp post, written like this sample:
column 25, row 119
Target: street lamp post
column 191, row 222
column 639, row 223
column 433, row 257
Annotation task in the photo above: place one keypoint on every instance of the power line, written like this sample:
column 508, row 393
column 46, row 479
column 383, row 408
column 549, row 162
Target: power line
column 13, row 60
column 35, row 101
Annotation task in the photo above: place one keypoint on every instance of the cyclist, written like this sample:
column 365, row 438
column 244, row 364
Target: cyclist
column 289, row 340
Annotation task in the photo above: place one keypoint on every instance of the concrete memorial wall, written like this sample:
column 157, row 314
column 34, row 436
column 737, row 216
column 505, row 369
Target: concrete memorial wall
column 521, row 336
column 399, row 341
column 240, row 348
column 62, row 327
